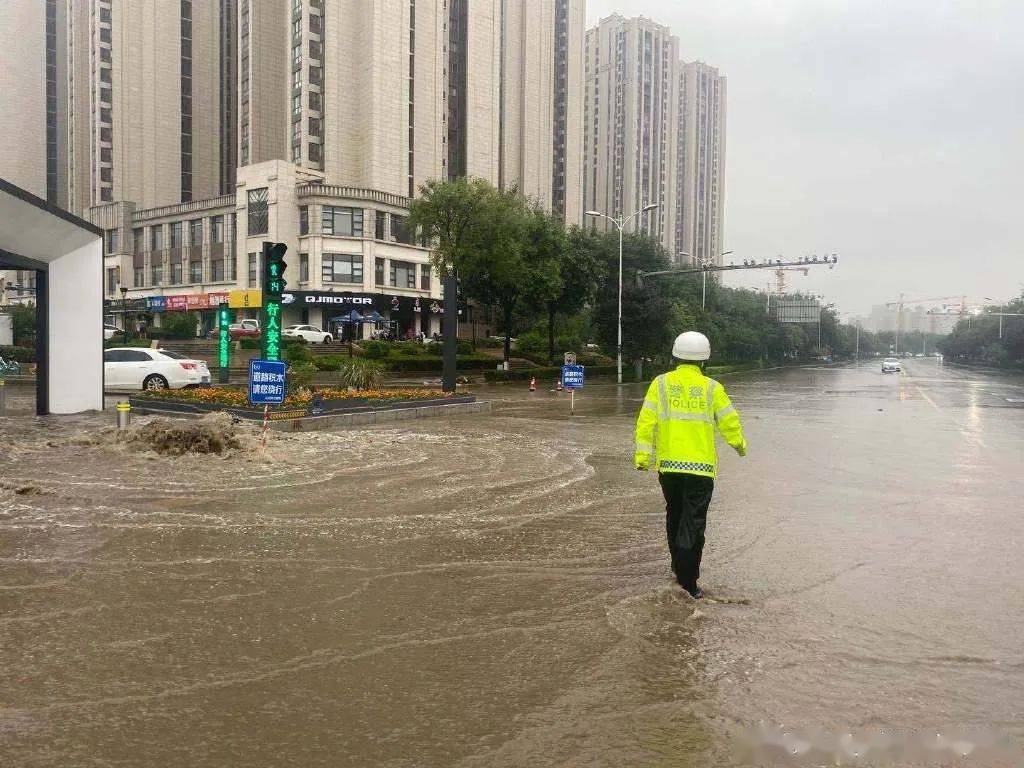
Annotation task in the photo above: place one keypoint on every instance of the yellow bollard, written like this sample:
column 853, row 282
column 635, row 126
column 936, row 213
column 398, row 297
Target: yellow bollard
column 124, row 416
column 3, row 395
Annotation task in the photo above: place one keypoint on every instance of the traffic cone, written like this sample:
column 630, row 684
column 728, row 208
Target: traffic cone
column 558, row 387
column 533, row 383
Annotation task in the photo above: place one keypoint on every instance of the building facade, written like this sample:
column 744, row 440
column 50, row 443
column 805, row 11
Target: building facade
column 700, row 163
column 629, row 148
column 348, row 248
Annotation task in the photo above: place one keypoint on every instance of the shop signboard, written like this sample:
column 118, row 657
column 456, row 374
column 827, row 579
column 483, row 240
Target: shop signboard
column 216, row 299
column 245, row 298
column 177, row 303
column 156, row 303
column 198, row 301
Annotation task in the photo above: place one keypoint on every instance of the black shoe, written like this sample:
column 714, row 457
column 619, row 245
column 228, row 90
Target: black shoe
column 696, row 593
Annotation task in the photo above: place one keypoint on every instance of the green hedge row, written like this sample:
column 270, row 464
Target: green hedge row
column 550, row 374
column 18, row 354
column 428, row 364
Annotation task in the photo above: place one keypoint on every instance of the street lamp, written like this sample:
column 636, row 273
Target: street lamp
column 124, row 312
column 620, row 223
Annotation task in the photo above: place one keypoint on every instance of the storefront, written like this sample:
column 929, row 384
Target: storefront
column 401, row 316
column 143, row 313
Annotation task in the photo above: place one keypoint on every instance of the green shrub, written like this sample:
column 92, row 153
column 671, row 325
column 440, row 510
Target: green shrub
column 375, row 350
column 328, row 362
column 18, row 354
column 464, row 347
column 360, row 373
column 178, row 325
column 251, row 344
column 297, row 353
column 433, row 364
column 300, row 375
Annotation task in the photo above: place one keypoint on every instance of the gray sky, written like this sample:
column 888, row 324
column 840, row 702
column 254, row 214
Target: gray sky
column 889, row 132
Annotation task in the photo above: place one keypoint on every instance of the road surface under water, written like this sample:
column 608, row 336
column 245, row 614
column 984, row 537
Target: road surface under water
column 494, row 591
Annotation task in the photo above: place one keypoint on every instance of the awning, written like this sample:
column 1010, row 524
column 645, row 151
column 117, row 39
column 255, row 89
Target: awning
column 348, row 317
column 373, row 316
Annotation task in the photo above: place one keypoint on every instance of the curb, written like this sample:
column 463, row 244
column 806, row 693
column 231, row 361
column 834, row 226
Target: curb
column 342, row 420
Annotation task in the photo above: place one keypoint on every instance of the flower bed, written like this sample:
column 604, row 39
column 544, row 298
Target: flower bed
column 236, row 401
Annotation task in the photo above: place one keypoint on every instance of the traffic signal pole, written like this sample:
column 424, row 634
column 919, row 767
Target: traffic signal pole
column 274, row 267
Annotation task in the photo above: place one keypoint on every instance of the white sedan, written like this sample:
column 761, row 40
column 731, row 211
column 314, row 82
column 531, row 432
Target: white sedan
column 110, row 331
column 310, row 333
column 137, row 368
column 891, row 365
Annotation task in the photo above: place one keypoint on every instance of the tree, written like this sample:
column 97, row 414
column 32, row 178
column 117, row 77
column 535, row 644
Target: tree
column 450, row 214
column 579, row 273
column 647, row 311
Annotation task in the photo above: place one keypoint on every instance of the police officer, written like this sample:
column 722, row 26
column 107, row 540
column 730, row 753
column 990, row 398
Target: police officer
column 675, row 432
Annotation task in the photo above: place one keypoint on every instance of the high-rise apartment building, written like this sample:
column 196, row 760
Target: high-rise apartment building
column 631, row 83
column 514, row 110
column 654, row 133
column 700, row 163
column 144, row 109
column 24, row 83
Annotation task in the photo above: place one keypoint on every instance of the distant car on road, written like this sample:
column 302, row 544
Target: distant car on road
column 110, row 331
column 137, row 368
column 310, row 333
column 246, row 329
column 891, row 365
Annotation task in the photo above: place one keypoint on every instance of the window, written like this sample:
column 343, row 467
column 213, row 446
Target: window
column 112, row 280
column 316, row 49
column 106, row 195
column 314, row 152
column 297, row 56
column 158, row 274
column 303, row 267
column 104, row 52
column 314, row 75
column 425, row 277
column 105, row 115
column 303, row 219
column 314, row 24
column 111, row 241
column 347, row 222
column 314, row 126
column 138, row 278
column 258, row 211
column 106, row 134
column 106, row 94
column 399, row 232
column 106, row 155
column 107, row 175
column 297, row 28
column 105, row 34
column 195, row 233
column 105, row 75
column 297, row 104
column 156, row 238
column 138, row 240
column 339, row 268
column 217, row 229
column 195, row 271
column 378, row 231
column 403, row 274
column 176, row 273
column 176, row 234
column 254, row 270
column 105, row 14
column 217, row 271
column 314, row 100
column 378, row 276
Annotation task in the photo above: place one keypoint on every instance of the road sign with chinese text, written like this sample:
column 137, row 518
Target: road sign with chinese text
column 572, row 376
column 267, row 382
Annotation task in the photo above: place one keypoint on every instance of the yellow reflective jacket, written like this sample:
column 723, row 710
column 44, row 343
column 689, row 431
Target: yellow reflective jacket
column 676, row 425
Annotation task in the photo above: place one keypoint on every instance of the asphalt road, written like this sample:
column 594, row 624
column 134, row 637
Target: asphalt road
column 494, row 591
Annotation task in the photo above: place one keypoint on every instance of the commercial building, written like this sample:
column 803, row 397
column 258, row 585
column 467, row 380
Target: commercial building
column 654, row 134
column 700, row 163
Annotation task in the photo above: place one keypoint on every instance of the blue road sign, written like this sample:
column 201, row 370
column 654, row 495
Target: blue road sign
column 267, row 382
column 572, row 376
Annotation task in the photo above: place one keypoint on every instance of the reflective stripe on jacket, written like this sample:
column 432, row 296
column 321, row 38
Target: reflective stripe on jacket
column 676, row 425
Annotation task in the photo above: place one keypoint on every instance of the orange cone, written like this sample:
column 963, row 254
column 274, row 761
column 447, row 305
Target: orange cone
column 559, row 387
column 533, row 383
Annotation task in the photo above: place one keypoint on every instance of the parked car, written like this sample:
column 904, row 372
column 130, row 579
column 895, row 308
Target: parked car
column 110, row 331
column 246, row 329
column 891, row 365
column 310, row 333
column 137, row 368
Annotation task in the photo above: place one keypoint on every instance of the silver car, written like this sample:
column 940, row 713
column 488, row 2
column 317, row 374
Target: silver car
column 891, row 365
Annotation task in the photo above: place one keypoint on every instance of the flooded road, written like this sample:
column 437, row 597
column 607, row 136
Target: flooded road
column 494, row 591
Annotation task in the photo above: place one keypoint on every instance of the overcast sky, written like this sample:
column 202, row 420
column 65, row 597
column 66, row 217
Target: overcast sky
column 891, row 132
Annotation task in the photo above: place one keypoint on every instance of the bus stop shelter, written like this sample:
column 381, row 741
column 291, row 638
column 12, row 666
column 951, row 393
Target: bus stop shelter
column 66, row 253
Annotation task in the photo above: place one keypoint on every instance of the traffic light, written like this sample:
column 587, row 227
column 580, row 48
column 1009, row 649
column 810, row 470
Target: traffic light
column 273, row 269
column 273, row 286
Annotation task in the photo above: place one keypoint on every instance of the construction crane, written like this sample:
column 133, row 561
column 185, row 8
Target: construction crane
column 900, row 303
column 780, row 277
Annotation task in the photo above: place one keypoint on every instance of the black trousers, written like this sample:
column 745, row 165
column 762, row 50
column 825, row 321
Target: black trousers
column 687, row 498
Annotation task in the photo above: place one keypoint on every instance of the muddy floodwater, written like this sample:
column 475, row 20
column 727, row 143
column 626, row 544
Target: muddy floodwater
column 494, row 590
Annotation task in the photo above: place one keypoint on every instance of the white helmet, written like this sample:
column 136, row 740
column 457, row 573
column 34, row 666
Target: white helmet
column 691, row 346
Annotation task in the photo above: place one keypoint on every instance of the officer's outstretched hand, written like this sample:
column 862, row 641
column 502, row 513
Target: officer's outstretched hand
column 742, row 450
column 642, row 467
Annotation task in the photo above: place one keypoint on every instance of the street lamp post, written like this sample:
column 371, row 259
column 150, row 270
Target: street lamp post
column 704, row 265
column 620, row 224
column 124, row 313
